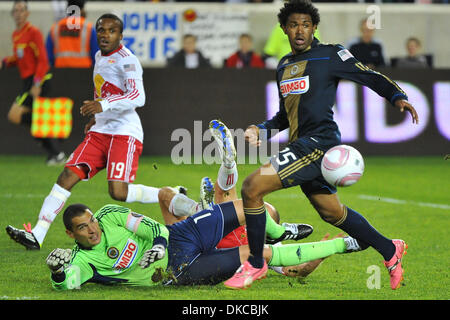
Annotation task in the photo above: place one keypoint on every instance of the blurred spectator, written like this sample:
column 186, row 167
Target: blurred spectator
column 277, row 46
column 413, row 59
column 59, row 9
column 366, row 49
column 30, row 56
column 245, row 56
column 189, row 57
column 72, row 41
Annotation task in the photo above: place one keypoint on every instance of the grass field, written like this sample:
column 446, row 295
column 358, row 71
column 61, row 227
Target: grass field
column 407, row 198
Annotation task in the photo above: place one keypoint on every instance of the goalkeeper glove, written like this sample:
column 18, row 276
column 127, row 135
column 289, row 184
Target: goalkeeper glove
column 57, row 259
column 154, row 254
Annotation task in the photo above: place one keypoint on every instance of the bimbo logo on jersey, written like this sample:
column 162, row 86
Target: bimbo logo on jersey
column 127, row 255
column 294, row 86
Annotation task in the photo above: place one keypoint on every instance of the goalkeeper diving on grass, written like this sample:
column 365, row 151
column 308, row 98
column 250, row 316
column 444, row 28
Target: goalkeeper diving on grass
column 118, row 246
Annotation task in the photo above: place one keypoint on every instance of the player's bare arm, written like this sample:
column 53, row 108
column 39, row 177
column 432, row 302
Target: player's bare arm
column 90, row 108
column 403, row 104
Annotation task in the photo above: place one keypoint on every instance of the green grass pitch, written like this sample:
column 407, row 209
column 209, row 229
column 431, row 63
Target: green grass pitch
column 402, row 197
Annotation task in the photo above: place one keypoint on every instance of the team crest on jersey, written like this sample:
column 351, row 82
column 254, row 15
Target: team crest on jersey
column 294, row 86
column 294, row 70
column 127, row 255
column 112, row 252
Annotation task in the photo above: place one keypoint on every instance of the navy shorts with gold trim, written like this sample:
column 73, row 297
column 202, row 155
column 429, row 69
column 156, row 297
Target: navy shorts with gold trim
column 299, row 164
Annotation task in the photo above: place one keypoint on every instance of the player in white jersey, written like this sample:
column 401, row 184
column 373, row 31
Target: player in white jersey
column 114, row 134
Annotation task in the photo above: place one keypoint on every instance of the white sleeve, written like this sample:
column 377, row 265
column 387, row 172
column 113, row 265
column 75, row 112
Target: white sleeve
column 134, row 95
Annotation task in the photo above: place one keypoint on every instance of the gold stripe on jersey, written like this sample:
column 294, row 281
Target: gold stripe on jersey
column 300, row 163
column 292, row 101
column 363, row 67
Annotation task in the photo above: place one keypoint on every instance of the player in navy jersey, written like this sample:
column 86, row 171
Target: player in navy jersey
column 307, row 80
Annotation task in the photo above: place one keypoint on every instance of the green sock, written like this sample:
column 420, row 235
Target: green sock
column 294, row 254
column 273, row 229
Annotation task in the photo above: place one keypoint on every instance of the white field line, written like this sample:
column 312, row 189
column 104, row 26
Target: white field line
column 290, row 196
column 38, row 195
column 404, row 202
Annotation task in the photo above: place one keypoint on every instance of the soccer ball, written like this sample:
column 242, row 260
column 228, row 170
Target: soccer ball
column 342, row 166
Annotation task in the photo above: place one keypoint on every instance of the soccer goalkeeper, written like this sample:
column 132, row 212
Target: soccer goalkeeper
column 118, row 246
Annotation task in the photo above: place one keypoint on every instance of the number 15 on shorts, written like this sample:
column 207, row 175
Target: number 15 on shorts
column 284, row 155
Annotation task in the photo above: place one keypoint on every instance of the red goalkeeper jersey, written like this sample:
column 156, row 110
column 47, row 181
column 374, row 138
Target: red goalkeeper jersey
column 30, row 55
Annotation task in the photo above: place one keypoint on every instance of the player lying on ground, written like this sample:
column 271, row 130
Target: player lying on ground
column 176, row 206
column 224, row 190
column 118, row 246
column 114, row 134
column 238, row 236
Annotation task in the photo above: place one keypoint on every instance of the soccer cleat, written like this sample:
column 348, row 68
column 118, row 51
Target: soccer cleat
column 294, row 231
column 206, row 193
column 394, row 265
column 57, row 160
column 225, row 141
column 245, row 275
column 25, row 238
column 351, row 245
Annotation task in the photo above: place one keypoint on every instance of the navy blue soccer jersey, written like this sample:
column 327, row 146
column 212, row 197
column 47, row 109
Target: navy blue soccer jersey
column 193, row 257
column 307, row 84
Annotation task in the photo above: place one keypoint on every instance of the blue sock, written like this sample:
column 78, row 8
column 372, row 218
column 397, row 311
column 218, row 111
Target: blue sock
column 256, row 233
column 359, row 228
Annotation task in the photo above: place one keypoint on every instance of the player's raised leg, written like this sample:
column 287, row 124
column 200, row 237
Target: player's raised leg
column 228, row 174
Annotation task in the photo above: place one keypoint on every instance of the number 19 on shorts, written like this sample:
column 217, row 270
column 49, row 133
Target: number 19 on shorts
column 116, row 170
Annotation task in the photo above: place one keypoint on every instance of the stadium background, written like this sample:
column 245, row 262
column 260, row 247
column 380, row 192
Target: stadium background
column 177, row 98
column 413, row 204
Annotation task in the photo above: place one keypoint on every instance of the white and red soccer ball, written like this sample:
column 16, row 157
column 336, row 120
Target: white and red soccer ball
column 342, row 166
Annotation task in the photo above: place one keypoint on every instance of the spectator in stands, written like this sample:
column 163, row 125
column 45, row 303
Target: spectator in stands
column 413, row 59
column 245, row 56
column 72, row 41
column 366, row 49
column 189, row 56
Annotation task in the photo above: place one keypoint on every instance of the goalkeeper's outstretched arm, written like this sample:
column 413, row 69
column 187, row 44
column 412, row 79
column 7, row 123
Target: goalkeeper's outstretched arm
column 65, row 276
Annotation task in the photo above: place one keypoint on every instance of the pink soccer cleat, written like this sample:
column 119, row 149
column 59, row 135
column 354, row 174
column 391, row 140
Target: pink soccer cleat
column 394, row 265
column 245, row 275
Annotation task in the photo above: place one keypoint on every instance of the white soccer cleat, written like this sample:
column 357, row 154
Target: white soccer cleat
column 224, row 139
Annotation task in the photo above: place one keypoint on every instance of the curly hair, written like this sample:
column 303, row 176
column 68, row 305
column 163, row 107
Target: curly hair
column 298, row 6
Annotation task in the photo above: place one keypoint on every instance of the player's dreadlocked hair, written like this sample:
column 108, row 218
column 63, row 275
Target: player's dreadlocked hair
column 72, row 211
column 298, row 6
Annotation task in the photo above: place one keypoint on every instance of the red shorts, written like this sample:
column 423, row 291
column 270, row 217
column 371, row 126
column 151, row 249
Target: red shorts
column 235, row 238
column 119, row 154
